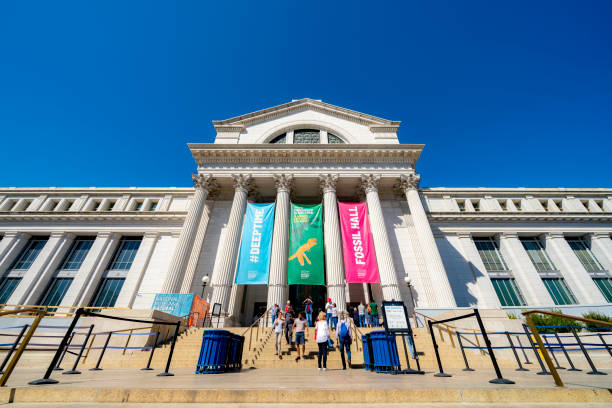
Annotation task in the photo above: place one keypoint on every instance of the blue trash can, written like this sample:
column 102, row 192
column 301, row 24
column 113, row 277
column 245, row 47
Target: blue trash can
column 384, row 352
column 235, row 352
column 368, row 360
column 214, row 352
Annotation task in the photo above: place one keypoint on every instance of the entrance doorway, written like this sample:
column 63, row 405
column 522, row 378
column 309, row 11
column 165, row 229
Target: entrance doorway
column 298, row 293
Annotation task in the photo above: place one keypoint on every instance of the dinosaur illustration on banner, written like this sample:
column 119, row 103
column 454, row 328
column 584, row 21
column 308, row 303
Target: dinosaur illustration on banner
column 300, row 254
column 305, row 255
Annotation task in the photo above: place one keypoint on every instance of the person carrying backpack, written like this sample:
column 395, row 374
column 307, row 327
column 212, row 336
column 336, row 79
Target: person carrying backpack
column 345, row 338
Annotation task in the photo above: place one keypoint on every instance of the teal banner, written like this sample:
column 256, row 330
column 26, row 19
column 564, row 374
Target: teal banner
column 256, row 245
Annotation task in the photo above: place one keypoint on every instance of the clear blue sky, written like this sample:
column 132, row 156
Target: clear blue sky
column 503, row 94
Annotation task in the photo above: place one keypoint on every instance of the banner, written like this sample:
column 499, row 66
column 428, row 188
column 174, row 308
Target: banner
column 306, row 264
column 357, row 246
column 254, row 258
column 177, row 304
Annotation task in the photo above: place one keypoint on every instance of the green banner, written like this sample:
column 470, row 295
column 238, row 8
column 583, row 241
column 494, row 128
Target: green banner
column 306, row 245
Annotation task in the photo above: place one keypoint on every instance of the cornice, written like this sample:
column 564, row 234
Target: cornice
column 205, row 153
column 468, row 192
column 99, row 190
column 242, row 121
column 111, row 216
column 528, row 216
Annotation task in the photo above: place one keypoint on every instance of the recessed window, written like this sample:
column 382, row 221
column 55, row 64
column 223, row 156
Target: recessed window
column 138, row 206
column 559, row 204
column 538, row 255
column 52, row 205
column 111, row 205
column 584, row 254
column 461, row 205
column 503, row 205
column 560, row 293
column 490, row 254
column 153, row 206
column 517, row 204
column 605, row 286
column 476, row 205
column 96, row 206
column 306, row 136
column 280, row 139
column 333, row 139
column 508, row 292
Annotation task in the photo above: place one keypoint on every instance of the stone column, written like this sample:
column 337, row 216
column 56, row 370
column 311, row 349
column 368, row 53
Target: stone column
column 487, row 296
column 601, row 246
column 433, row 262
column 223, row 273
column 203, row 184
column 277, row 286
column 526, row 275
column 384, row 258
column 578, row 279
column 334, row 259
column 192, row 264
column 10, row 247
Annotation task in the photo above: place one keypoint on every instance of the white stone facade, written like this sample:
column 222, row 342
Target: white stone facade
column 426, row 234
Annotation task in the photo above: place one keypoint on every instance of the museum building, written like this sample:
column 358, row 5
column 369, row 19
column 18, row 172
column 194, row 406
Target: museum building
column 308, row 199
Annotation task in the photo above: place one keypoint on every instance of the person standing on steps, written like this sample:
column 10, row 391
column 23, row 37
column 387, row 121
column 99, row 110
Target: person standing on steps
column 308, row 311
column 274, row 309
column 362, row 311
column 279, row 321
column 289, row 317
column 334, row 313
column 328, row 314
column 300, row 325
column 374, row 309
column 288, row 306
column 345, row 339
column 355, row 317
column 321, row 337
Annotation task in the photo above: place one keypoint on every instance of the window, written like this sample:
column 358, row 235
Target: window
column 517, row 204
column 280, row 139
column 7, row 286
column 583, row 252
column 508, row 292
column 461, row 205
column 108, row 292
column 490, row 255
column 538, row 255
column 29, row 254
column 333, row 139
column 605, row 286
column 153, row 206
column 95, row 206
column 306, row 136
column 138, row 206
column 111, row 205
column 503, row 205
column 111, row 284
column 77, row 254
column 476, row 205
column 56, row 291
column 124, row 256
column 559, row 291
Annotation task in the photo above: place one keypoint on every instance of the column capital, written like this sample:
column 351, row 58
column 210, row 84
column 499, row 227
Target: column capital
column 369, row 182
column 107, row 234
column 508, row 234
column 204, row 182
column 328, row 182
column 465, row 235
column 409, row 181
column 600, row 235
column 57, row 234
column 283, row 182
column 151, row 234
column 243, row 182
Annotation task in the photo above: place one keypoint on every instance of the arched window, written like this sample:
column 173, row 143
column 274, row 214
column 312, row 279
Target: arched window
column 280, row 139
column 333, row 139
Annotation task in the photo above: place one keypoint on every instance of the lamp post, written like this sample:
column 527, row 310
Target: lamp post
column 204, row 282
column 409, row 284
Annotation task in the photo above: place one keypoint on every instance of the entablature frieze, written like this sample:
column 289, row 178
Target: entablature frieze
column 516, row 217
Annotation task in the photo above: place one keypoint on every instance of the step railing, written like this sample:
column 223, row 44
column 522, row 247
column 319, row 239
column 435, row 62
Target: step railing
column 258, row 333
column 544, row 349
column 52, row 311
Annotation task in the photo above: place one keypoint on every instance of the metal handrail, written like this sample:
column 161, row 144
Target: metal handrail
column 541, row 345
column 55, row 314
column 26, row 339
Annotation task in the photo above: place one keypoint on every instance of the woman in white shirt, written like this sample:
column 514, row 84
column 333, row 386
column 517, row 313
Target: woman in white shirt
column 322, row 330
column 278, row 333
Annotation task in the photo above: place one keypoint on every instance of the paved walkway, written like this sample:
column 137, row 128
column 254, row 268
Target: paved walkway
column 287, row 379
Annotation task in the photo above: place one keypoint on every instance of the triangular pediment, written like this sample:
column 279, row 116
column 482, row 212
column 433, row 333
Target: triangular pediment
column 240, row 122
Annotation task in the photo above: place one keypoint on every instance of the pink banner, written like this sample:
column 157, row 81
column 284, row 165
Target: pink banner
column 359, row 257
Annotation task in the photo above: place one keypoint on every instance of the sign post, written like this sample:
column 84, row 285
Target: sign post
column 216, row 311
column 396, row 322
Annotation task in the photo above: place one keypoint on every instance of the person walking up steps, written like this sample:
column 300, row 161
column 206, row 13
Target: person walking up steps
column 300, row 325
column 308, row 311
column 334, row 319
column 278, row 333
column 328, row 313
column 362, row 311
column 374, row 309
column 321, row 336
column 345, row 338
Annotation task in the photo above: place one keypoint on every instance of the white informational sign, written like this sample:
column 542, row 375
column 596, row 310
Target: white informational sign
column 396, row 318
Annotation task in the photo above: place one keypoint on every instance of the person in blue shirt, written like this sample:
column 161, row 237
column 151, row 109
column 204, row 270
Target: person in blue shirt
column 308, row 311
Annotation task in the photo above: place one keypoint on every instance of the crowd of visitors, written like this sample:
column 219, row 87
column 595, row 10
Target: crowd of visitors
column 287, row 323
